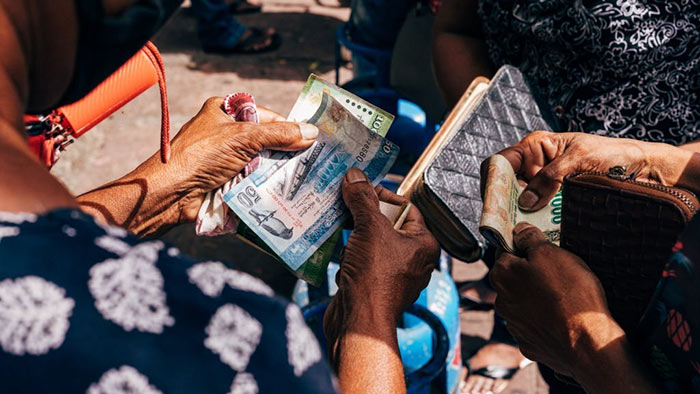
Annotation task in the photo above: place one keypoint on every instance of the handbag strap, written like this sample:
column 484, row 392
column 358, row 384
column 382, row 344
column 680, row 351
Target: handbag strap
column 164, row 111
column 49, row 135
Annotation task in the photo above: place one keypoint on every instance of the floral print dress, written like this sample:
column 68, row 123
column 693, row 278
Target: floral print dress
column 87, row 308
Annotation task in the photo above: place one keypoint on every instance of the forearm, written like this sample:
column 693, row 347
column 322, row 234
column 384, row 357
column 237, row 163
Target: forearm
column 364, row 348
column 459, row 48
column 674, row 166
column 693, row 146
column 606, row 363
column 144, row 201
column 458, row 59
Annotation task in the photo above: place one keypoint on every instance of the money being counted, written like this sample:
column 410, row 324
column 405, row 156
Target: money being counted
column 299, row 206
column 371, row 116
column 501, row 213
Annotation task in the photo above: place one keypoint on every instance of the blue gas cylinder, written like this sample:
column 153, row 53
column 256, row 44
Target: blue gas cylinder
column 428, row 334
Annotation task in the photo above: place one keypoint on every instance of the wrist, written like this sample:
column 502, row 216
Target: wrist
column 599, row 344
column 666, row 163
column 369, row 312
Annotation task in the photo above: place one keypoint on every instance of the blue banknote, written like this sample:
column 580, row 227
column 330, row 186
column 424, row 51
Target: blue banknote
column 297, row 206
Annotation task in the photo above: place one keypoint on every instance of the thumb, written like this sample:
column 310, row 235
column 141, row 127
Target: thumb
column 527, row 237
column 544, row 185
column 286, row 136
column 360, row 198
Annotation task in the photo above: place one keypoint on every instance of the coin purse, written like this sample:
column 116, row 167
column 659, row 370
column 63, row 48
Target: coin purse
column 624, row 230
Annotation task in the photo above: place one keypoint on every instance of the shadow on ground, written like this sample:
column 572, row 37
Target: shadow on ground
column 308, row 42
column 234, row 253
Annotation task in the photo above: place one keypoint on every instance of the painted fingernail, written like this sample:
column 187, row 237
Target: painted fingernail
column 528, row 199
column 355, row 175
column 308, row 131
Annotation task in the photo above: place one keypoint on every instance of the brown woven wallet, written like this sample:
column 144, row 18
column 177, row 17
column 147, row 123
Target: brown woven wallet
column 624, row 230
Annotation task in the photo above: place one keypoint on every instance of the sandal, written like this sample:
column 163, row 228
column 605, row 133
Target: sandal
column 245, row 7
column 249, row 45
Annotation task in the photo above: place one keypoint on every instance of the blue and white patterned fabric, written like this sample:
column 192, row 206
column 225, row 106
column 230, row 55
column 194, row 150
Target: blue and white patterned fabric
column 89, row 308
column 620, row 68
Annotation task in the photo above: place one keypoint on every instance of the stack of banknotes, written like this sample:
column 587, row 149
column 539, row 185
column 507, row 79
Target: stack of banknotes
column 501, row 212
column 291, row 205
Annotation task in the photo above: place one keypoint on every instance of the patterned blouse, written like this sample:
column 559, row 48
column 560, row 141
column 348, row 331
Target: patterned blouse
column 87, row 308
column 620, row 68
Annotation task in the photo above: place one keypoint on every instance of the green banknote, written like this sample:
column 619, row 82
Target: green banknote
column 373, row 117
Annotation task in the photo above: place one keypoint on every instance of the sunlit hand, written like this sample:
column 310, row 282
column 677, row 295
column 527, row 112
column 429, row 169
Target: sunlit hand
column 552, row 302
column 208, row 151
column 543, row 159
column 382, row 272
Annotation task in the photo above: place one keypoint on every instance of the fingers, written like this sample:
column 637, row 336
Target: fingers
column 361, row 199
column 414, row 221
column 266, row 115
column 527, row 237
column 544, row 185
column 285, row 136
column 387, row 195
column 500, row 271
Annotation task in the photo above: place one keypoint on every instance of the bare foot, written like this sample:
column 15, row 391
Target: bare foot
column 493, row 354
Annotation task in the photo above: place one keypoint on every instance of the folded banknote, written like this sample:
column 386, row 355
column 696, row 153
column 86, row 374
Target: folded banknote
column 298, row 206
column 501, row 214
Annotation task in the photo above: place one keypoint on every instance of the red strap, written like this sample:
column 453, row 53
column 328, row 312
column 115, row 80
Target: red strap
column 165, row 113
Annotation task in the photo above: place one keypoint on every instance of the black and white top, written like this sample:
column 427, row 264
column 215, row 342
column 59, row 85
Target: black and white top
column 620, row 68
column 87, row 308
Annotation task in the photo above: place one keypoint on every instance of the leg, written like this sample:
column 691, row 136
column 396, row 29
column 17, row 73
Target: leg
column 216, row 26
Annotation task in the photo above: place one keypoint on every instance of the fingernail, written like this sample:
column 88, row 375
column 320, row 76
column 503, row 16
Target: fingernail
column 308, row 131
column 520, row 227
column 528, row 199
column 355, row 175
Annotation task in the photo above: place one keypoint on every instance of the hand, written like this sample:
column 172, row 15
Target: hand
column 543, row 159
column 209, row 150
column 553, row 304
column 383, row 270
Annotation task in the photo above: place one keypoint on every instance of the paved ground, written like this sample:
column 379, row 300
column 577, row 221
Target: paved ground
column 132, row 134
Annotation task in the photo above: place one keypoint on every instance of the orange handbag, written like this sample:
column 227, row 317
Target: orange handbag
column 50, row 134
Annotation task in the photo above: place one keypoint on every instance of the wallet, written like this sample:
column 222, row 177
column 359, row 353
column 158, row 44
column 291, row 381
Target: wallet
column 624, row 230
column 50, row 134
column 449, row 194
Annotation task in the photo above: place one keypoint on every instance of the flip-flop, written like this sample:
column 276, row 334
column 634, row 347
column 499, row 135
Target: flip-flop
column 245, row 47
column 244, row 7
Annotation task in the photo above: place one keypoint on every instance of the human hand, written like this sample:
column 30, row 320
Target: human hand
column 544, row 158
column 211, row 149
column 383, row 270
column 553, row 304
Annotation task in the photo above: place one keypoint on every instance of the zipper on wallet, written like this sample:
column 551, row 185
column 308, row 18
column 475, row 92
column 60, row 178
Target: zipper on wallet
column 619, row 173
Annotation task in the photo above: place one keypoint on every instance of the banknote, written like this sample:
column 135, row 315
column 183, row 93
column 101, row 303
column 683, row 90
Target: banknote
column 299, row 206
column 309, row 100
column 375, row 118
column 500, row 213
